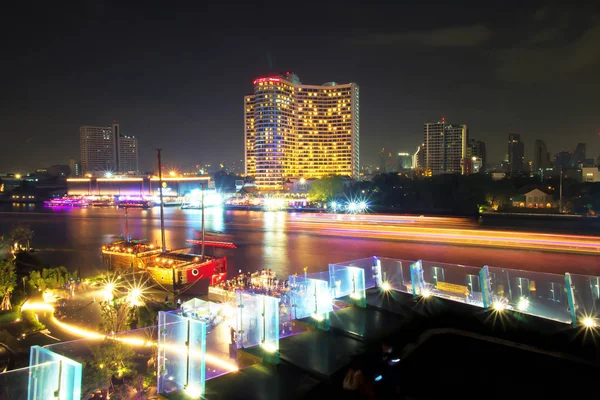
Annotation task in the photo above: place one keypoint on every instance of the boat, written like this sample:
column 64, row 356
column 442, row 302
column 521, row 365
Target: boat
column 182, row 269
column 66, row 202
column 133, row 203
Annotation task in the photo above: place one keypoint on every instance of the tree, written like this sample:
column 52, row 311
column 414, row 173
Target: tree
column 50, row 278
column 107, row 360
column 8, row 282
column 116, row 316
column 21, row 236
column 326, row 188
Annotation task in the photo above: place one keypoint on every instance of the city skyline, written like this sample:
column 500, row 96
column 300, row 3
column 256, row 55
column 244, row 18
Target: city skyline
column 182, row 95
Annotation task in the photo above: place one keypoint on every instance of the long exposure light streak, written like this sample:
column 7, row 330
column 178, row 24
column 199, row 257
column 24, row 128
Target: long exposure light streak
column 397, row 228
column 88, row 334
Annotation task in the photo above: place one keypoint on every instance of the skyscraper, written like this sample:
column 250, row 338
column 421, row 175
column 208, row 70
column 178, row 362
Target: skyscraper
column 563, row 159
column 419, row 160
column 296, row 130
column 541, row 157
column 516, row 154
column 105, row 149
column 579, row 154
column 476, row 148
column 97, row 146
column 405, row 162
column 445, row 147
column 128, row 154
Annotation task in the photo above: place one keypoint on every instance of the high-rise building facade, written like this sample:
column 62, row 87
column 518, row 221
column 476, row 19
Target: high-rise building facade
column 97, row 146
column 104, row 148
column 419, row 160
column 476, row 148
column 541, row 157
column 579, row 155
column 75, row 167
column 304, row 131
column 516, row 154
column 128, row 154
column 405, row 161
column 445, row 147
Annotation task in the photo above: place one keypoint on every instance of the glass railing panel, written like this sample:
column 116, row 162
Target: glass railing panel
column 454, row 282
column 534, row 293
column 586, row 296
column 348, row 283
column 367, row 265
column 396, row 274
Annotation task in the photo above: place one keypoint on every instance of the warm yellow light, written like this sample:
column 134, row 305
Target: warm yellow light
column 17, row 176
column 172, row 173
column 355, row 296
column 589, row 322
column 499, row 306
column 426, row 293
column 317, row 317
column 193, row 391
column 269, row 347
column 386, row 287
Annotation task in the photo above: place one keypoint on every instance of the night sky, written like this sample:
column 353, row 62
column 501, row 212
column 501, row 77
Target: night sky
column 175, row 75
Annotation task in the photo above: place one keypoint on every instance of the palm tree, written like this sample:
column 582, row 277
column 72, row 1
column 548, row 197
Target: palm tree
column 21, row 236
column 8, row 282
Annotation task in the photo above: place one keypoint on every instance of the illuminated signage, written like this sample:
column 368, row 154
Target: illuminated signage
column 260, row 80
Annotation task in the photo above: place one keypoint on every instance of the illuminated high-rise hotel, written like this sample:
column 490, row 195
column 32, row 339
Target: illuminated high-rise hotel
column 300, row 131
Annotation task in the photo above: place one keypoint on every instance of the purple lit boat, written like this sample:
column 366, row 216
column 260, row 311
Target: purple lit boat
column 66, row 202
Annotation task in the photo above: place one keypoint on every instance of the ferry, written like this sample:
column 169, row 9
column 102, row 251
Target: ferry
column 131, row 203
column 66, row 202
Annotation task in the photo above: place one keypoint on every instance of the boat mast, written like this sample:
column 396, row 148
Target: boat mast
column 126, row 224
column 162, row 221
column 202, row 248
column 162, row 209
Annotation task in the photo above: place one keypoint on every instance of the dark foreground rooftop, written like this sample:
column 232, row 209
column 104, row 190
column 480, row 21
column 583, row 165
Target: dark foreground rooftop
column 447, row 350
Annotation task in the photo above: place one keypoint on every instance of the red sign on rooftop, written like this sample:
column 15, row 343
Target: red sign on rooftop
column 269, row 79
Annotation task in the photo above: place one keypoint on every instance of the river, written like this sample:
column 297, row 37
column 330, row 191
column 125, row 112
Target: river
column 73, row 237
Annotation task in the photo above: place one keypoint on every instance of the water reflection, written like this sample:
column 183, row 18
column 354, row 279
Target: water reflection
column 265, row 240
column 275, row 247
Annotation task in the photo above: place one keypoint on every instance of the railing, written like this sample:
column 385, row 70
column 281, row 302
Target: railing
column 568, row 298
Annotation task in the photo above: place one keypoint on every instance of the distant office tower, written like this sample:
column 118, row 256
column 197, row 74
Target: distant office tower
column 541, row 157
column 296, row 130
column 516, row 154
column 445, row 148
column 419, row 160
column 476, row 149
column 102, row 149
column 563, row 159
column 405, row 161
column 579, row 155
column 75, row 167
column 128, row 154
column 97, row 145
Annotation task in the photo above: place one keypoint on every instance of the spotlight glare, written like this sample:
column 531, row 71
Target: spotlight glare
column 499, row 306
column 193, row 391
column 386, row 287
column 317, row 317
column 589, row 322
column 426, row 293
column 523, row 304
